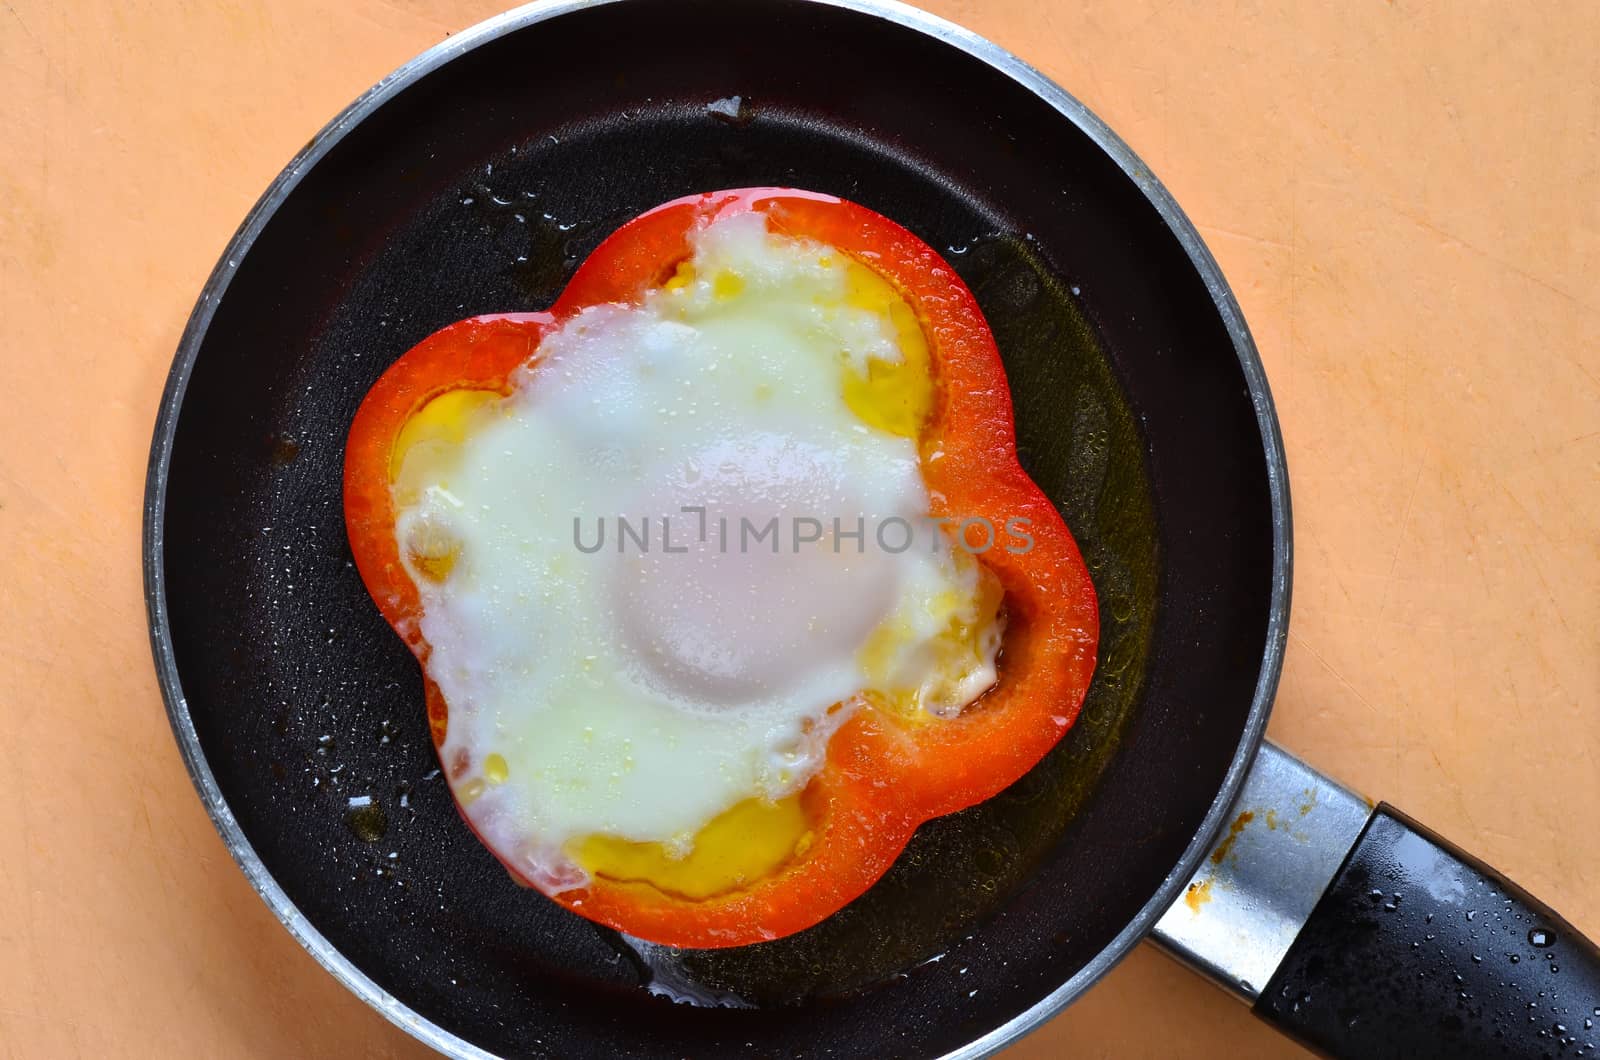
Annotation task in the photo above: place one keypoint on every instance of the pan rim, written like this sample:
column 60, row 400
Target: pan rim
column 908, row 17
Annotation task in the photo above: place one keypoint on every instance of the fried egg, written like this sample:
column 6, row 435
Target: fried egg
column 691, row 541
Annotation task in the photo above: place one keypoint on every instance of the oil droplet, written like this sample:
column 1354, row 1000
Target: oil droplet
column 325, row 744
column 284, row 450
column 495, row 770
column 1541, row 938
column 366, row 818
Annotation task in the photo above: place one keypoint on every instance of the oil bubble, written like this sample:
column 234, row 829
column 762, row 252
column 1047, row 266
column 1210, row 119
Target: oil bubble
column 365, row 818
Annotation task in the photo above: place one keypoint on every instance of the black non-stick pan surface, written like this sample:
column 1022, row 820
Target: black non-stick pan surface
column 475, row 180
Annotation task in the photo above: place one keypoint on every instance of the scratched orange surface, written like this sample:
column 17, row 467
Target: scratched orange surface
column 1404, row 197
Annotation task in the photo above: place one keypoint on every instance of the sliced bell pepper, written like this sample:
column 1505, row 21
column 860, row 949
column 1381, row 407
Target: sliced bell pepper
column 884, row 773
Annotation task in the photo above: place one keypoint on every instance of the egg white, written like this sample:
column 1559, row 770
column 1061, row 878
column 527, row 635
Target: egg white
column 638, row 694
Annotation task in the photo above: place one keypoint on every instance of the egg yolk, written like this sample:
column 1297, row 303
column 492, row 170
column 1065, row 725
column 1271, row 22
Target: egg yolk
column 891, row 396
column 434, row 433
column 753, row 839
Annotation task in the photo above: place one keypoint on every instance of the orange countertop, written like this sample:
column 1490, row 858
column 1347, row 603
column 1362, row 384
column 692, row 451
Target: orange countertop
column 1405, row 202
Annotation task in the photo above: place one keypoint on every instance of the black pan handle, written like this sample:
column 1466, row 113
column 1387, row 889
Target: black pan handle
column 1419, row 949
column 1362, row 934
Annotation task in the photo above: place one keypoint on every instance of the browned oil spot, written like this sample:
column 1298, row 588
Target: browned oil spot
column 1272, row 819
column 1311, row 800
column 1233, row 833
column 1198, row 894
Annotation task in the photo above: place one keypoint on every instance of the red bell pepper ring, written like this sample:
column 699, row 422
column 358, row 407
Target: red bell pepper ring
column 883, row 775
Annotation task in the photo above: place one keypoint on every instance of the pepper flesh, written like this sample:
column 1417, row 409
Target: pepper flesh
column 884, row 774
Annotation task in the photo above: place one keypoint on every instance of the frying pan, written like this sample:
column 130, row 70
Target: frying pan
column 474, row 180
